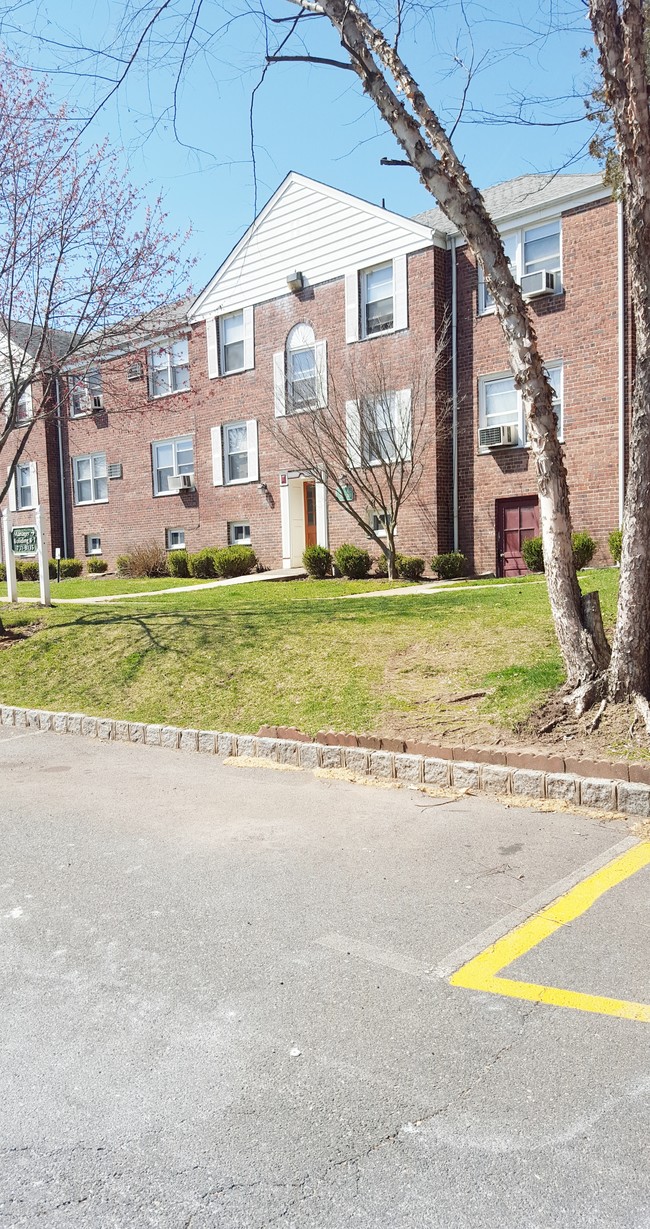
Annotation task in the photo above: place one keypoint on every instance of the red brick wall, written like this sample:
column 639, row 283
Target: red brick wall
column 579, row 327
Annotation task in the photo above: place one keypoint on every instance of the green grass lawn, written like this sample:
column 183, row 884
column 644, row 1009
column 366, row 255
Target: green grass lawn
column 298, row 653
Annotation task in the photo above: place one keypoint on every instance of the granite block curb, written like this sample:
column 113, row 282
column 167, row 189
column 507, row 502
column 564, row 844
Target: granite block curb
column 529, row 775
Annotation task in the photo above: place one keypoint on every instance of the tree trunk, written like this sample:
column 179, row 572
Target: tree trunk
column 621, row 39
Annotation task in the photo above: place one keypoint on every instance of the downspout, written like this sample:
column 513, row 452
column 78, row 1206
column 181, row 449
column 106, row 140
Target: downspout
column 64, row 526
column 454, row 391
column 621, row 361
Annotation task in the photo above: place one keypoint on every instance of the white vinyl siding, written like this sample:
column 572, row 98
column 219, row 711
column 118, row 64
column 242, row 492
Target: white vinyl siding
column 235, row 458
column 169, row 369
column 314, row 228
column 529, row 250
column 170, row 458
column 90, row 479
column 500, row 404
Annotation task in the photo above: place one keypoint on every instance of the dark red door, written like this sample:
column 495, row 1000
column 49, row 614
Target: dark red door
column 310, row 514
column 516, row 520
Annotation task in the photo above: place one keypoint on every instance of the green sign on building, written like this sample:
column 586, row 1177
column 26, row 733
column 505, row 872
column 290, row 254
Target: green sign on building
column 23, row 540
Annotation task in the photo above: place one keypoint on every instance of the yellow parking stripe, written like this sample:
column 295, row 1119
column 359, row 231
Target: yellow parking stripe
column 481, row 973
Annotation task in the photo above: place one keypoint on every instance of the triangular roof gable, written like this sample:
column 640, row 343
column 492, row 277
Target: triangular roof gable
column 311, row 227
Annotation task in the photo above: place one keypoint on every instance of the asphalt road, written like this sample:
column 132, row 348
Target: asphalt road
column 221, row 1006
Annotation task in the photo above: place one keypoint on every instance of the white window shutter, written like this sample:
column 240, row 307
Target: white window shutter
column 34, row 482
column 249, row 338
column 404, row 424
column 253, row 452
column 278, row 384
column 213, row 347
column 353, row 433
column 400, row 294
column 321, row 374
column 12, row 492
column 217, row 456
column 352, row 306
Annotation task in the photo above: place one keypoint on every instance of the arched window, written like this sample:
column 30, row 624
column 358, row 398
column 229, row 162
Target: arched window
column 302, row 376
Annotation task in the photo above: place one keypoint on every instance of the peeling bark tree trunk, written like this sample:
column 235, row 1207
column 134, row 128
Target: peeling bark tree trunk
column 430, row 152
column 620, row 34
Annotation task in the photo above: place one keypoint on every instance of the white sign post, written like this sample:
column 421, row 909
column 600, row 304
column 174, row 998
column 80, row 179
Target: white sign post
column 43, row 560
column 10, row 562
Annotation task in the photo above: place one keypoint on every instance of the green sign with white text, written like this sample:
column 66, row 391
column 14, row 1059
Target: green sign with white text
column 23, row 540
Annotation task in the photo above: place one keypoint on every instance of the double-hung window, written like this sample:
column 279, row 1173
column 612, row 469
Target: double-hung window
column 25, row 493
column 235, row 457
column 379, row 429
column 300, row 373
column 90, row 479
column 231, row 341
column 169, row 369
column 532, row 249
column 239, row 533
column 171, row 458
column 86, row 394
column 377, row 299
column 175, row 539
column 500, row 404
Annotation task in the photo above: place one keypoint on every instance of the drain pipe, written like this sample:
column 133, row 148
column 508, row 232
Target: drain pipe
column 64, row 527
column 621, row 361
column 454, row 390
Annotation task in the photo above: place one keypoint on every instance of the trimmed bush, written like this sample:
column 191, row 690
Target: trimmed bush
column 410, row 567
column 97, row 567
column 531, row 549
column 584, row 549
column 450, row 565
column 69, row 568
column 3, row 572
column 381, row 566
column 178, row 563
column 352, row 562
column 29, row 569
column 615, row 542
column 318, row 561
column 150, row 559
column 201, row 565
column 234, row 561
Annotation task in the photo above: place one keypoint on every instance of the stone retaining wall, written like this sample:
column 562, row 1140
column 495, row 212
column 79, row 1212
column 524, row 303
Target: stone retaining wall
column 597, row 792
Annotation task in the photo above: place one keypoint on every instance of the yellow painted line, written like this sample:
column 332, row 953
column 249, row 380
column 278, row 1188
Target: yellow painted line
column 482, row 972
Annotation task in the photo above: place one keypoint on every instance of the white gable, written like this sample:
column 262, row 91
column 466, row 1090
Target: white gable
column 316, row 230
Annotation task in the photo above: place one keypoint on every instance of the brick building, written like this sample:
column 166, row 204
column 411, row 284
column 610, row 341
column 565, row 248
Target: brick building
column 176, row 440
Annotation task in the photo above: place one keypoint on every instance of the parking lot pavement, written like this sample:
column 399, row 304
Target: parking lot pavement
column 227, row 1003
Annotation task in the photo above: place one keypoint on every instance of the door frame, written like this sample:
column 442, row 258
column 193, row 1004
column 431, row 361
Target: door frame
column 322, row 527
column 500, row 505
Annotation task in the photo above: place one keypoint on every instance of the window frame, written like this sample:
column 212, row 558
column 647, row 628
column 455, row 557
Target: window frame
column 174, row 440
column 92, row 537
column 89, row 391
column 169, row 545
column 555, row 372
column 515, row 239
column 245, row 541
column 20, row 468
column 227, row 480
column 167, row 348
column 91, row 457
column 231, row 371
column 364, row 333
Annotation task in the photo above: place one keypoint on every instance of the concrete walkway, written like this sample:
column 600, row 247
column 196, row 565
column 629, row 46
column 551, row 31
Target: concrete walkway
column 432, row 587
column 280, row 574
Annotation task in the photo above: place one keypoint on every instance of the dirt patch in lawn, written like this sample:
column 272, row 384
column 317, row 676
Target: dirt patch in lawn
column 10, row 637
column 620, row 733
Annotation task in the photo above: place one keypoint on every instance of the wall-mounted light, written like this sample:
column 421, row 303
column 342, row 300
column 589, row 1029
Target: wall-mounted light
column 295, row 281
column 262, row 487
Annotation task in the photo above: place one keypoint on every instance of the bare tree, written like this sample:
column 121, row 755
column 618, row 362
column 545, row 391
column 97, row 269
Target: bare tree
column 372, row 435
column 86, row 267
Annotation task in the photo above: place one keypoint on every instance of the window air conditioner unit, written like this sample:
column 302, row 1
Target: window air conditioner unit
column 498, row 437
column 533, row 285
column 135, row 371
column 181, row 482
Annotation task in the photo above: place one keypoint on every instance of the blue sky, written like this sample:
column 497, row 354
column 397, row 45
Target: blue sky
column 308, row 118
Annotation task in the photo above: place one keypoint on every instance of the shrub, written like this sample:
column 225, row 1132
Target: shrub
column 150, row 559
column 584, row 549
column 381, row 566
column 318, row 561
column 410, row 567
column 97, row 567
column 3, row 572
column 177, row 563
column 615, row 542
column 583, row 545
column 234, row 561
column 69, row 568
column 531, row 549
column 201, row 565
column 352, row 561
column 450, row 565
column 19, row 569
column 29, row 569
